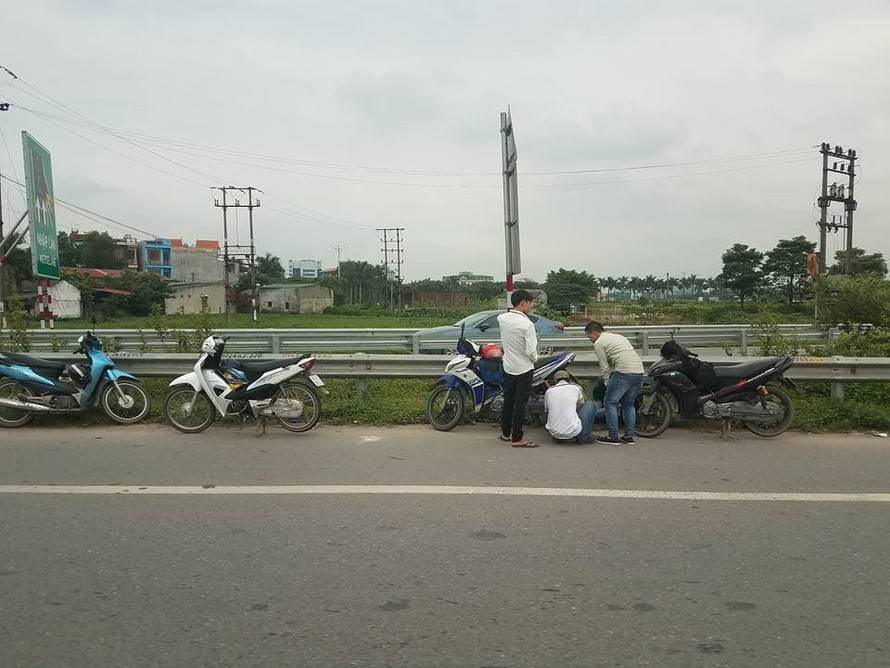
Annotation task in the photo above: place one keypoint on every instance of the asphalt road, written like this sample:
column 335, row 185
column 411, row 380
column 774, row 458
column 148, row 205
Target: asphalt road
column 360, row 546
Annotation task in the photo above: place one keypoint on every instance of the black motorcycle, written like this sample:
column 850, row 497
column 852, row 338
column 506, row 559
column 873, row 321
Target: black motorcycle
column 748, row 392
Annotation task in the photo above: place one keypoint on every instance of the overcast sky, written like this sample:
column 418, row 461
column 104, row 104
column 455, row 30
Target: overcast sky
column 359, row 115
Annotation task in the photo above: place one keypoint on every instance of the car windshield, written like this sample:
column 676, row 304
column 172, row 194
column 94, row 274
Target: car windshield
column 468, row 320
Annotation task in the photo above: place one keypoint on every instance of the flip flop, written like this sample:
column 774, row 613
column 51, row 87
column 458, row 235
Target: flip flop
column 506, row 439
column 524, row 444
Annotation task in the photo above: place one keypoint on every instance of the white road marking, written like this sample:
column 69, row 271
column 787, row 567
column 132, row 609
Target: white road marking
column 227, row 490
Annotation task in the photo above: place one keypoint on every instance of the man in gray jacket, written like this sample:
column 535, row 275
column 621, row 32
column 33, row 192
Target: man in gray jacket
column 623, row 374
column 520, row 343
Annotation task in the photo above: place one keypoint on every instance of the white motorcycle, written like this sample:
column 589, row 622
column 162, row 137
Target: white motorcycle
column 282, row 389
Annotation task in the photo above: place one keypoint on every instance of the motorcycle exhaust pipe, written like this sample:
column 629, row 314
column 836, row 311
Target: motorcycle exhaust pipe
column 290, row 408
column 25, row 405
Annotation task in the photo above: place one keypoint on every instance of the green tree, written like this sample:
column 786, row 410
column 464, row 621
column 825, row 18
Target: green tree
column 786, row 264
column 69, row 252
column 741, row 271
column 98, row 251
column 18, row 260
column 566, row 287
column 366, row 282
column 862, row 263
column 144, row 290
column 849, row 301
column 269, row 267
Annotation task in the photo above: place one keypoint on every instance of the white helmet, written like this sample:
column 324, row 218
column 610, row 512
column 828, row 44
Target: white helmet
column 212, row 344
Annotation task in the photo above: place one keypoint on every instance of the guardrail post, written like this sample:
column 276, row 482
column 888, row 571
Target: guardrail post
column 744, row 342
column 276, row 344
column 415, row 343
column 836, row 391
column 644, row 342
column 361, row 384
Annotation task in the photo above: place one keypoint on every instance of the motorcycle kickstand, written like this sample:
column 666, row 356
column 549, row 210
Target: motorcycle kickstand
column 725, row 425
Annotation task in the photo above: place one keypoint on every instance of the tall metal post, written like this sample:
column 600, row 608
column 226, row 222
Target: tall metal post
column 823, row 215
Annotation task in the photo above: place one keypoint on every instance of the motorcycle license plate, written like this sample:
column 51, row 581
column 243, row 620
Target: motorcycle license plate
column 316, row 380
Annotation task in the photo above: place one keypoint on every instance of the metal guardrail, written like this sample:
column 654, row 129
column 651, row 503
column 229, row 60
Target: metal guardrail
column 646, row 338
column 363, row 366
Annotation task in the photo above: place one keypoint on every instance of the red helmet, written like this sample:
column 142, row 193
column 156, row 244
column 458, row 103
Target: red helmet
column 491, row 351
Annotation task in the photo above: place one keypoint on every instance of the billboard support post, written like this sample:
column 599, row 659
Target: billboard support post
column 511, row 201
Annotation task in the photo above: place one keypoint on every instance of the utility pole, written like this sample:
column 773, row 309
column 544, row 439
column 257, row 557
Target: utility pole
column 837, row 192
column 238, row 251
column 393, row 245
column 338, row 249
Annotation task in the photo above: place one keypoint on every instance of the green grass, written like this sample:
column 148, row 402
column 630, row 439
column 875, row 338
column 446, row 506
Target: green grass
column 403, row 401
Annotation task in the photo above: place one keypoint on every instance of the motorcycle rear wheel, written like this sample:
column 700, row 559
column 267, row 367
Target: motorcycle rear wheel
column 653, row 414
column 9, row 416
column 187, row 410
column 129, row 407
column 445, row 407
column 773, row 427
column 311, row 407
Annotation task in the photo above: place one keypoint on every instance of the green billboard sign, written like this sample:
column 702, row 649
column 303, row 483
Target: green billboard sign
column 41, row 208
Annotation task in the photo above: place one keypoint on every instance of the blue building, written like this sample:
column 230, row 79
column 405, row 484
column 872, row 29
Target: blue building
column 156, row 257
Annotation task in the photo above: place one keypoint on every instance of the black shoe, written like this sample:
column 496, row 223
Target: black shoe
column 606, row 440
column 627, row 440
column 585, row 440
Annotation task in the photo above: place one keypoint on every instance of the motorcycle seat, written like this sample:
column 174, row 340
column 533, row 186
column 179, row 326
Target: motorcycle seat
column 39, row 365
column 745, row 369
column 257, row 369
column 542, row 361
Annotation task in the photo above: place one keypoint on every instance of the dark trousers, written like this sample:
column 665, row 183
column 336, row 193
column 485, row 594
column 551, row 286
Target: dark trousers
column 516, row 391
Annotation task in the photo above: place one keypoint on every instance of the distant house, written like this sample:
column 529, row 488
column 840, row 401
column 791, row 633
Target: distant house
column 191, row 297
column 155, row 256
column 64, row 299
column 294, row 298
column 469, row 278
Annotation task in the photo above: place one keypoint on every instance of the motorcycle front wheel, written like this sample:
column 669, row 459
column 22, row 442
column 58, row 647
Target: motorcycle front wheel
column 126, row 403
column 779, row 402
column 188, row 410
column 9, row 416
column 445, row 407
column 307, row 396
column 653, row 414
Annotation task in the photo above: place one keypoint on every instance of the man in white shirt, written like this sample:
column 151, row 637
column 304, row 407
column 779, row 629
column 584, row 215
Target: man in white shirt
column 569, row 417
column 520, row 343
column 623, row 374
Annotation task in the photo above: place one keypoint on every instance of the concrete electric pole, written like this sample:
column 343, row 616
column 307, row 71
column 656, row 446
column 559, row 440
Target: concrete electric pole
column 844, row 164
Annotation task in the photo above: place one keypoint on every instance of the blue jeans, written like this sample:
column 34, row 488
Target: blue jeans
column 622, row 389
column 588, row 412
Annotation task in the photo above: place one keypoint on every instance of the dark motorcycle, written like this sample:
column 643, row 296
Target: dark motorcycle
column 748, row 392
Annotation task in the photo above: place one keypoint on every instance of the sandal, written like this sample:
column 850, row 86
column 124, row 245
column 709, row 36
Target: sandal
column 506, row 439
column 524, row 444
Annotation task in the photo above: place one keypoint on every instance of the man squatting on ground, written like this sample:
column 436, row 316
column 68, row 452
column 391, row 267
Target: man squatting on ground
column 569, row 417
column 520, row 343
column 622, row 372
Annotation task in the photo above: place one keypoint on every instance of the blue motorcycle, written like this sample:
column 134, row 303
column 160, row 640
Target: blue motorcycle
column 473, row 378
column 30, row 385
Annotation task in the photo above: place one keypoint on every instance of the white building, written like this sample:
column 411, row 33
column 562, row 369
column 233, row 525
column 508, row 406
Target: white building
column 304, row 268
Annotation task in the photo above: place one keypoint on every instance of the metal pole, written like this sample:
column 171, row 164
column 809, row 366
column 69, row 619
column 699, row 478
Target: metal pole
column 849, row 207
column 253, row 290
column 226, row 256
column 823, row 206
